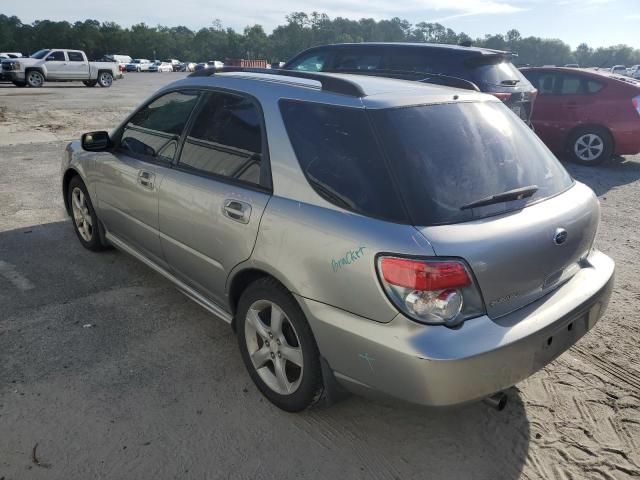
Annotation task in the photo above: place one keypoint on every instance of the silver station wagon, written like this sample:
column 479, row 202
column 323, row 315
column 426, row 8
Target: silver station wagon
column 358, row 233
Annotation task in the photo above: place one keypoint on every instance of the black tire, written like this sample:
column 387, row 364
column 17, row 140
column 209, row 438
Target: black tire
column 20, row 84
column 590, row 146
column 95, row 242
column 310, row 386
column 34, row 78
column 105, row 79
column 90, row 83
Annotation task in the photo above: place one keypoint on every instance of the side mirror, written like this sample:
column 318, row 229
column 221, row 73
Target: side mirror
column 96, row 141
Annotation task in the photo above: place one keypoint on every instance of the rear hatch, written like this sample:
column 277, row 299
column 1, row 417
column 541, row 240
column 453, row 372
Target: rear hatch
column 452, row 163
column 496, row 74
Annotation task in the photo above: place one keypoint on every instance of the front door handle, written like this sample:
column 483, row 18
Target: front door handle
column 237, row 210
column 146, row 179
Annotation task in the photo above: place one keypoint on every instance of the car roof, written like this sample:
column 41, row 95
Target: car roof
column 376, row 92
column 442, row 46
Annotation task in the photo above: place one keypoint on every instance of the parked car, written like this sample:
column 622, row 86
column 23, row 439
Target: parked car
column 491, row 70
column 383, row 235
column 588, row 115
column 138, row 65
column 187, row 67
column 631, row 71
column 175, row 64
column 160, row 67
column 10, row 55
column 58, row 65
column 619, row 69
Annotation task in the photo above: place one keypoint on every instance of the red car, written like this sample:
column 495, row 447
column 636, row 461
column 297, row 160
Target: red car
column 589, row 115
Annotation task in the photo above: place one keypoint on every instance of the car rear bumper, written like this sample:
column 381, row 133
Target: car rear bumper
column 627, row 142
column 438, row 366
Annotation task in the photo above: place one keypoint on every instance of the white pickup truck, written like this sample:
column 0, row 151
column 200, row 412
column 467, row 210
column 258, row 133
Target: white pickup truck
column 58, row 65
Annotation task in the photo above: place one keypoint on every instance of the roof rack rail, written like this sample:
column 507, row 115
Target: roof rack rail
column 329, row 83
column 435, row 78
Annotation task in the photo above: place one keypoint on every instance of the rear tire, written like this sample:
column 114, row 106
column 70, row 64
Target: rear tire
column 35, row 79
column 590, row 146
column 85, row 220
column 90, row 83
column 278, row 347
column 105, row 79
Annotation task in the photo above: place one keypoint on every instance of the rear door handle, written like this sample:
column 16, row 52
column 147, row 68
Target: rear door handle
column 236, row 210
column 146, row 179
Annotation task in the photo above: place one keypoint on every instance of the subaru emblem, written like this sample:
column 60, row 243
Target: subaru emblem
column 560, row 236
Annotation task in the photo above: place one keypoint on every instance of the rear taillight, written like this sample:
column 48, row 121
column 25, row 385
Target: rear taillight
column 431, row 291
column 502, row 96
column 636, row 104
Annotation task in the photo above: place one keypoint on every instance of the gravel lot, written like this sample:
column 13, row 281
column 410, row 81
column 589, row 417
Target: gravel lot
column 156, row 388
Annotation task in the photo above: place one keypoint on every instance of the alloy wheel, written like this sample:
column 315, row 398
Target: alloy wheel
column 274, row 347
column 106, row 79
column 35, row 79
column 588, row 147
column 81, row 214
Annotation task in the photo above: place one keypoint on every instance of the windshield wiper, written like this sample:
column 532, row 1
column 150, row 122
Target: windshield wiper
column 515, row 194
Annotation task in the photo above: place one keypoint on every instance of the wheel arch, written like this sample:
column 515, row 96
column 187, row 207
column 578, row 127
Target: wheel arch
column 41, row 70
column 586, row 127
column 66, row 179
column 238, row 282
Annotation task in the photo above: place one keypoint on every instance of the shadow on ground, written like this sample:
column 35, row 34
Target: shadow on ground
column 113, row 373
column 601, row 178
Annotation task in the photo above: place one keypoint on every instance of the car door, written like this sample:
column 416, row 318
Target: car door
column 211, row 203
column 56, row 63
column 547, row 113
column 127, row 190
column 77, row 66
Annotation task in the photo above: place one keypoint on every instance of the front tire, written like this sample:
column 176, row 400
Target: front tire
column 278, row 347
column 20, row 84
column 35, row 79
column 90, row 83
column 105, row 79
column 590, row 146
column 85, row 221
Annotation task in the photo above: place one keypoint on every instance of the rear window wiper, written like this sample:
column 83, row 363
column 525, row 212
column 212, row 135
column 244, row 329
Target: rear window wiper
column 515, row 194
column 509, row 82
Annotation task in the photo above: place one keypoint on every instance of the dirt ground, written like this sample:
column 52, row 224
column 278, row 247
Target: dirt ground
column 106, row 371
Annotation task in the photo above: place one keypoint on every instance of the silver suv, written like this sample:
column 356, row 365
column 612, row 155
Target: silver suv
column 365, row 233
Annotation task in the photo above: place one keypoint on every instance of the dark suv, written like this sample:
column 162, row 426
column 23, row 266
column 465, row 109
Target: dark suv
column 491, row 70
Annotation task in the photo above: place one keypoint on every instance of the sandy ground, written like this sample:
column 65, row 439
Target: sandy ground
column 156, row 388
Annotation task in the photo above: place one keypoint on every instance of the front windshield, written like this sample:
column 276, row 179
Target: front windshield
column 40, row 54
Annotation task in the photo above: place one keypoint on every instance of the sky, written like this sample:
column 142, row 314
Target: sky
column 596, row 22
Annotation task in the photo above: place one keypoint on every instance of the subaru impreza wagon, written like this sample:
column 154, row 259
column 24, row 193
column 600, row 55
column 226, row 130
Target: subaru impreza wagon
column 371, row 234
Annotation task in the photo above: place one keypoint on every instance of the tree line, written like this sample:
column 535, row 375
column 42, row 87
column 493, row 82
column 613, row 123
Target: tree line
column 301, row 30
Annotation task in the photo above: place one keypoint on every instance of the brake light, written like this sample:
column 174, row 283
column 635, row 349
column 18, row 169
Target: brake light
column 636, row 103
column 419, row 275
column 502, row 96
column 431, row 291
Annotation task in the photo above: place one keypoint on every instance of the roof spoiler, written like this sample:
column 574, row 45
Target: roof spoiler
column 435, row 78
column 329, row 83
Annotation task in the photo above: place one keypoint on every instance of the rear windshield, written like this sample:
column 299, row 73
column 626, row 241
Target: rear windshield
column 421, row 164
column 449, row 155
column 496, row 71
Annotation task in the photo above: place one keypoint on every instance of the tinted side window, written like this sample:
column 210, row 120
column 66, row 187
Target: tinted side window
column 56, row 56
column 424, row 60
column 593, row 86
column 311, row 63
column 358, row 59
column 338, row 154
column 226, row 139
column 546, row 83
column 75, row 57
column 570, row 85
column 153, row 132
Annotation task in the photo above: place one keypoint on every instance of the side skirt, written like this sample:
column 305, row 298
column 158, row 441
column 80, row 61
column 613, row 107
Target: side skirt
column 181, row 286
